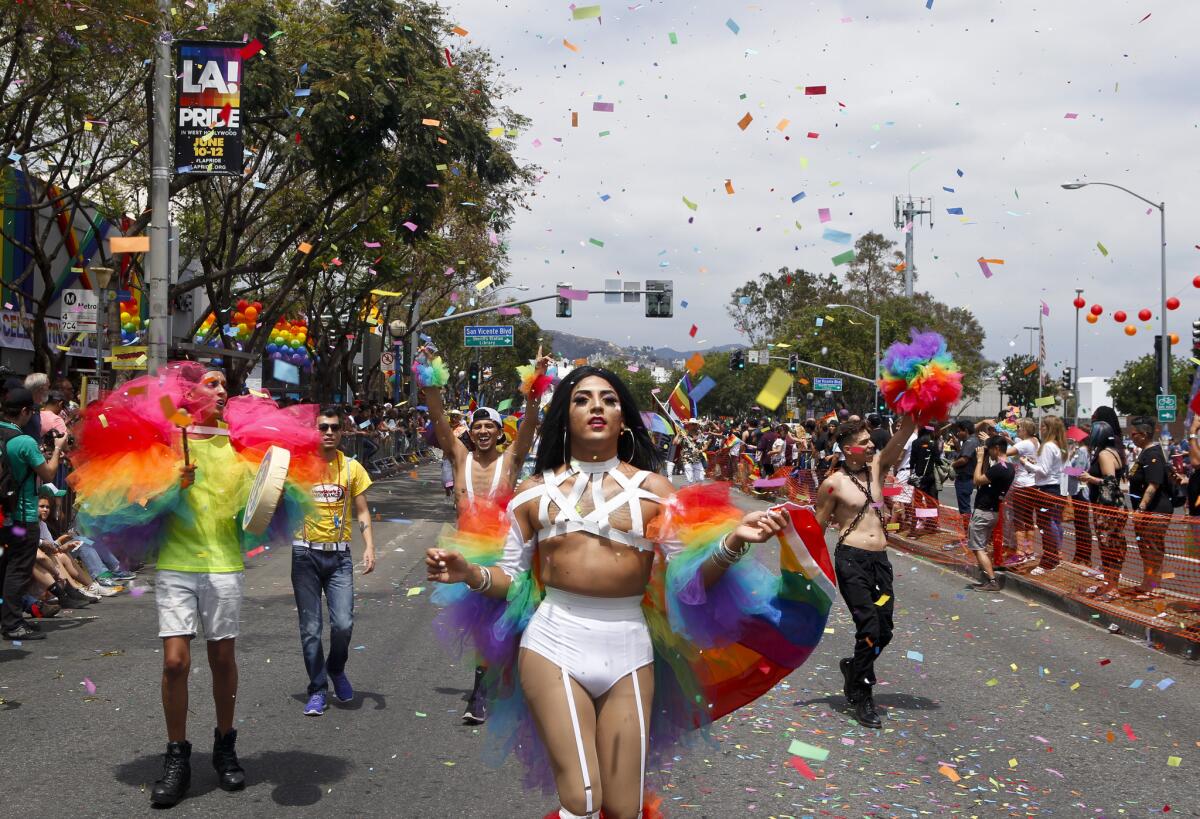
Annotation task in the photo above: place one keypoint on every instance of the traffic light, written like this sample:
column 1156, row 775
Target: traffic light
column 473, row 377
column 358, row 375
column 562, row 307
column 737, row 360
column 658, row 298
column 1196, row 336
column 793, row 363
column 1066, row 379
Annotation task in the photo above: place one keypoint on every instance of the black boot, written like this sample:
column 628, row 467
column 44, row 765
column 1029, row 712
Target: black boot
column 476, row 713
column 865, row 713
column 177, row 775
column 848, row 686
column 230, row 775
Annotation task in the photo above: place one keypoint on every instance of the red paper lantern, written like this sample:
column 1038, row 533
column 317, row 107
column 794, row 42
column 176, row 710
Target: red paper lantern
column 1119, row 317
column 1196, row 282
column 1079, row 303
column 1172, row 303
column 1174, row 339
column 1144, row 314
column 1097, row 309
column 1130, row 330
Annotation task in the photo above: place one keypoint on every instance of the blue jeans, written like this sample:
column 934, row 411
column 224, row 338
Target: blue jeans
column 963, row 487
column 96, row 560
column 314, row 572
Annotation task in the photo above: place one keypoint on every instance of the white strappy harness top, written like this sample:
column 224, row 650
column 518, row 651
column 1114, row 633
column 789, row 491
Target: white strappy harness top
column 471, row 479
column 589, row 478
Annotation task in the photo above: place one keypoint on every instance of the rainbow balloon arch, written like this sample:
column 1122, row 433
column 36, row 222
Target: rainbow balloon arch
column 288, row 341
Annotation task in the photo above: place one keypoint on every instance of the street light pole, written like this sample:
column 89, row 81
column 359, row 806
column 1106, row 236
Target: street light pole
column 1164, row 383
column 875, row 406
column 159, row 258
column 1075, row 372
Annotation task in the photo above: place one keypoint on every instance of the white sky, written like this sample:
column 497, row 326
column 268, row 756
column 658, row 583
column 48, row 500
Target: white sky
column 973, row 85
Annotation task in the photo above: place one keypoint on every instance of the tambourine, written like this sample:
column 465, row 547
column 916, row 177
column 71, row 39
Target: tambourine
column 267, row 490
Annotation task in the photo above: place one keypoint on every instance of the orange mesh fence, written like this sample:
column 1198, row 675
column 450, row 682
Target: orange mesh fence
column 1134, row 565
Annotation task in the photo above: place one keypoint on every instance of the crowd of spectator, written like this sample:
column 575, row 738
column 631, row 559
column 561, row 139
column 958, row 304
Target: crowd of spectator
column 46, row 566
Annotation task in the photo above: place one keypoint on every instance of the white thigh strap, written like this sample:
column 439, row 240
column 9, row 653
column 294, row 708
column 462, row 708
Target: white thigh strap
column 587, row 780
column 637, row 696
column 563, row 813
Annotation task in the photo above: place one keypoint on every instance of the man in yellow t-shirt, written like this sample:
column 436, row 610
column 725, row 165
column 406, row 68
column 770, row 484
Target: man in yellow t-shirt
column 321, row 563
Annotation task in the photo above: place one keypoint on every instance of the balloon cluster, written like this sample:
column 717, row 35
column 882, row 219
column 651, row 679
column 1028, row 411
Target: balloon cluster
column 131, row 320
column 1119, row 316
column 289, row 342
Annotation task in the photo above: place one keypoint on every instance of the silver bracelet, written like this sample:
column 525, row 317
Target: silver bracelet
column 485, row 583
column 726, row 557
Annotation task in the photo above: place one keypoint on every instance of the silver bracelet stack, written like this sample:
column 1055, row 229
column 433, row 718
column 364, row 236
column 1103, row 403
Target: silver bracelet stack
column 484, row 584
column 726, row 557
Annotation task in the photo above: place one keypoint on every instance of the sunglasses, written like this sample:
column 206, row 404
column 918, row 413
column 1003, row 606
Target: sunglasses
column 329, row 427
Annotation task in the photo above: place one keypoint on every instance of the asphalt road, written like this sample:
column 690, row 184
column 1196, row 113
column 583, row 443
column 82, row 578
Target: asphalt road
column 1033, row 713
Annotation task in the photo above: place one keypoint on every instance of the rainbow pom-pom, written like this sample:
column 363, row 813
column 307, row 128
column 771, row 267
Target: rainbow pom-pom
column 920, row 379
column 534, row 385
column 430, row 373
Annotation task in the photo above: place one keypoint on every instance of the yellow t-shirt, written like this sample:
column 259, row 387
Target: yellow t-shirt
column 204, row 534
column 344, row 480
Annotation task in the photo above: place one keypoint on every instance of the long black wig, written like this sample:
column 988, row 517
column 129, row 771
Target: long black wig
column 555, row 450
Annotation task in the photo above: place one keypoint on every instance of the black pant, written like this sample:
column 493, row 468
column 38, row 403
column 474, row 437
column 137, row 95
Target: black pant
column 864, row 577
column 16, row 569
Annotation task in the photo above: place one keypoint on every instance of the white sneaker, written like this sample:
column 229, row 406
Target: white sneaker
column 103, row 591
column 1038, row 571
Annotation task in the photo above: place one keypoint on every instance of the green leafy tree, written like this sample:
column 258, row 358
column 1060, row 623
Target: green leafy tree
column 1019, row 387
column 1133, row 387
column 734, row 395
column 760, row 308
column 877, row 271
column 72, row 119
column 790, row 309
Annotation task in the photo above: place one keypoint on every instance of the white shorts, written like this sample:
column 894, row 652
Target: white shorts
column 186, row 600
column 693, row 472
column 598, row 640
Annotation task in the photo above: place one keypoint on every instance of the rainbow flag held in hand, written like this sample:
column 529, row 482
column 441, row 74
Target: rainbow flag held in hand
column 679, row 402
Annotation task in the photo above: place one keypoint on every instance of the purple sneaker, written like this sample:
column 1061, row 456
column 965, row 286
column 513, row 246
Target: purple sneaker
column 343, row 691
column 316, row 705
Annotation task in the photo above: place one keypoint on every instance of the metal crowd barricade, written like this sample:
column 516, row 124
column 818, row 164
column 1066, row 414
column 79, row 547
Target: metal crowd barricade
column 1152, row 561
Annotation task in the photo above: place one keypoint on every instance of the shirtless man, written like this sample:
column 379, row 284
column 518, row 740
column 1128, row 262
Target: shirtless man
column 481, row 470
column 852, row 497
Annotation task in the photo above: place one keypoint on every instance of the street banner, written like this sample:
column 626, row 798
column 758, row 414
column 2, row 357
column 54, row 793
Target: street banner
column 208, row 119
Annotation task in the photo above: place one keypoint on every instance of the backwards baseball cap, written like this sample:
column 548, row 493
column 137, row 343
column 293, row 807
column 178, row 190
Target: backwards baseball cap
column 49, row 490
column 18, row 398
column 486, row 414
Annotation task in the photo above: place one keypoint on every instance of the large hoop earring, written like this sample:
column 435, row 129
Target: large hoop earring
column 632, row 442
column 566, row 455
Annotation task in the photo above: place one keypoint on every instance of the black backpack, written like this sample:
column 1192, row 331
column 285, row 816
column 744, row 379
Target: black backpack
column 10, row 488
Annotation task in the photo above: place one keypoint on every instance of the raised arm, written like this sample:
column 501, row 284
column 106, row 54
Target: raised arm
column 441, row 427
column 889, row 456
column 529, row 423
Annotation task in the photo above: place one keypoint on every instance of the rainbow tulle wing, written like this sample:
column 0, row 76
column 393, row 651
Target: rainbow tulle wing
column 753, row 627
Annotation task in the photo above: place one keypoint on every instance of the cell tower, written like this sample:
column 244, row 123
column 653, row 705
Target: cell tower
column 907, row 210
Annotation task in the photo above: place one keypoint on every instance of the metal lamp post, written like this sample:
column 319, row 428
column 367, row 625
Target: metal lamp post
column 100, row 276
column 875, row 406
column 1164, row 384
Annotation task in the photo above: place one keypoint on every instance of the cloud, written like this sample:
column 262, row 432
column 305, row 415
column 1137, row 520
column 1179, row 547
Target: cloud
column 980, row 86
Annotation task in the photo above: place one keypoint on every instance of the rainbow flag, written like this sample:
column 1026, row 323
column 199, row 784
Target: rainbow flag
column 679, row 402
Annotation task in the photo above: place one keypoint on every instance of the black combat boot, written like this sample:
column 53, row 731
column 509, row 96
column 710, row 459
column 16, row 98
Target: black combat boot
column 177, row 775
column 864, row 711
column 224, row 758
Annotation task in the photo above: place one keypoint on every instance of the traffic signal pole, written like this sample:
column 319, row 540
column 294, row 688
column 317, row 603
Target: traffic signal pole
column 493, row 308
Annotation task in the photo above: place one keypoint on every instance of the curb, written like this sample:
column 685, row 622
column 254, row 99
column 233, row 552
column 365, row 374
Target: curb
column 1165, row 641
